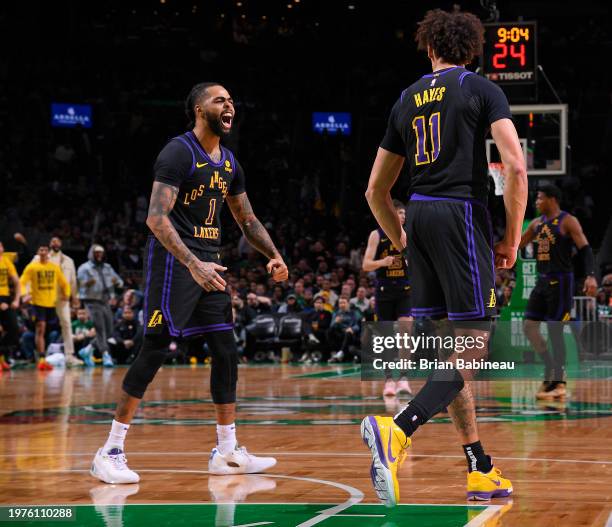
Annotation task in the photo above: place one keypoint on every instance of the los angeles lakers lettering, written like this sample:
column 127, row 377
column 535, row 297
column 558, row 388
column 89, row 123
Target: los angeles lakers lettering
column 210, row 233
column 217, row 182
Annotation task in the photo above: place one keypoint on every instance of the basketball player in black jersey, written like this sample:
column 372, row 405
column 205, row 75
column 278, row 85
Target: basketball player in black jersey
column 185, row 293
column 392, row 289
column 438, row 127
column 555, row 234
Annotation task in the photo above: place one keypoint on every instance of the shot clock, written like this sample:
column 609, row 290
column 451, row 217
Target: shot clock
column 509, row 54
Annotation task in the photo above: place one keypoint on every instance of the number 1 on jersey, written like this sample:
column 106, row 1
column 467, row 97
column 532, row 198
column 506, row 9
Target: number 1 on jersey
column 211, row 211
column 422, row 156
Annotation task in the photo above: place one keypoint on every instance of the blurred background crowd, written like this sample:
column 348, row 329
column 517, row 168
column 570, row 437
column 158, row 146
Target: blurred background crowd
column 135, row 63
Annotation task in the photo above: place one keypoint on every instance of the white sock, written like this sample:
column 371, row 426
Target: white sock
column 116, row 436
column 226, row 438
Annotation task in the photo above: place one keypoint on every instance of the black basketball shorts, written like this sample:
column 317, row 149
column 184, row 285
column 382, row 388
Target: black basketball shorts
column 551, row 298
column 450, row 258
column 174, row 304
column 392, row 301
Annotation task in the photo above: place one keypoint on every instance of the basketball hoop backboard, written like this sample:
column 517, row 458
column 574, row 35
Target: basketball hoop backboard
column 542, row 129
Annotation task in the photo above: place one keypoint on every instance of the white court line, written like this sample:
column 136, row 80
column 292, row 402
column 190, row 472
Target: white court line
column 609, row 522
column 319, row 454
column 484, row 516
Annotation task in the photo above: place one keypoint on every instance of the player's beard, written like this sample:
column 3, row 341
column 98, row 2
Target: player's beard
column 214, row 123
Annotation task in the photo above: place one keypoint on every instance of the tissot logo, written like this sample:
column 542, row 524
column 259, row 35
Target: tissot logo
column 511, row 76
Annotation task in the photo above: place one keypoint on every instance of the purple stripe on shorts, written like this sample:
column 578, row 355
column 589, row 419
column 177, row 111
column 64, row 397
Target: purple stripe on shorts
column 479, row 300
column 166, row 297
column 490, row 224
column 148, row 280
column 207, row 329
column 424, row 197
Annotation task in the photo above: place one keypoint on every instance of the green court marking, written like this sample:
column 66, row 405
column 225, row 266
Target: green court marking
column 309, row 411
column 352, row 371
column 275, row 515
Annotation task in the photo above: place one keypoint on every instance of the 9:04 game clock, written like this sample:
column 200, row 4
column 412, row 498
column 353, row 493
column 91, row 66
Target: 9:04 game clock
column 509, row 54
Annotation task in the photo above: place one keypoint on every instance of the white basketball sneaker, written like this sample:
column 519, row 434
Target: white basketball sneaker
column 238, row 461
column 390, row 389
column 403, row 386
column 111, row 467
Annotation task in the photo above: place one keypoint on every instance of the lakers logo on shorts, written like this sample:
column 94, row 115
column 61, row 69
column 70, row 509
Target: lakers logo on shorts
column 156, row 319
column 492, row 299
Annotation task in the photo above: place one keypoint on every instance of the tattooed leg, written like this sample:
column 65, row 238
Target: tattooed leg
column 463, row 413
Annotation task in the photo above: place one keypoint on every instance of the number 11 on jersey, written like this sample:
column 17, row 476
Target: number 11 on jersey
column 422, row 155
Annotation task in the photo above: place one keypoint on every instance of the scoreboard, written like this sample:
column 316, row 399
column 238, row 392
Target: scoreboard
column 509, row 53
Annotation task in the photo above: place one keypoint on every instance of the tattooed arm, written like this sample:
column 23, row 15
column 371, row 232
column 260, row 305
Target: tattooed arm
column 257, row 235
column 162, row 201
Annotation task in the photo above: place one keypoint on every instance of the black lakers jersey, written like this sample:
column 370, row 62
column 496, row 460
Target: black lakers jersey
column 440, row 124
column 203, row 186
column 554, row 249
column 397, row 272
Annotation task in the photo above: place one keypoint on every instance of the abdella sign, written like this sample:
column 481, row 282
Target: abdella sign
column 70, row 115
column 332, row 122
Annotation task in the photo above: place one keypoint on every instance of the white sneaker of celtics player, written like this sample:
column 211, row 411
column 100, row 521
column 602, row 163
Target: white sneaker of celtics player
column 111, row 467
column 313, row 339
column 112, row 494
column 232, row 489
column 238, row 461
column 336, row 357
column 390, row 388
column 403, row 386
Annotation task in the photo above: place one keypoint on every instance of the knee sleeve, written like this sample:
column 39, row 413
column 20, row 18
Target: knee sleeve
column 150, row 358
column 224, row 366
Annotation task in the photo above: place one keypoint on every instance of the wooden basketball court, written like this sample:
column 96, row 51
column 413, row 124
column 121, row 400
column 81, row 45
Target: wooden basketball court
column 558, row 455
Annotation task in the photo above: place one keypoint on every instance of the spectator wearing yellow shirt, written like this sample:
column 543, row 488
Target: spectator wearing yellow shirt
column 43, row 277
column 8, row 306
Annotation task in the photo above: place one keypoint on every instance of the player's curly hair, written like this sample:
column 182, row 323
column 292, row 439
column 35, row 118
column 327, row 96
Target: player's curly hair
column 455, row 37
column 192, row 99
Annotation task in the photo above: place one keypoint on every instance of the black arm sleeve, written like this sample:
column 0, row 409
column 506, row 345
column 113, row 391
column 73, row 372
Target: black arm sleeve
column 587, row 260
column 392, row 141
column 174, row 163
column 238, row 186
column 493, row 99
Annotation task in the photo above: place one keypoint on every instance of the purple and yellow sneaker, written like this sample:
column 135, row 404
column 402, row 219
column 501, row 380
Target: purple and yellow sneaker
column 483, row 487
column 387, row 443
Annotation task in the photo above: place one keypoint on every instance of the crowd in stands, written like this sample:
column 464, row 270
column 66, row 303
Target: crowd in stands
column 90, row 185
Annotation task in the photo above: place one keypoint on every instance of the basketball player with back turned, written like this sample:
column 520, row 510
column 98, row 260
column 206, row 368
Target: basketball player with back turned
column 185, row 293
column 555, row 233
column 438, row 126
